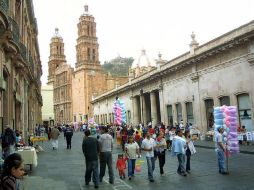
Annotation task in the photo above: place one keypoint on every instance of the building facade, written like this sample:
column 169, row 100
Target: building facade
column 188, row 87
column 74, row 89
column 20, row 67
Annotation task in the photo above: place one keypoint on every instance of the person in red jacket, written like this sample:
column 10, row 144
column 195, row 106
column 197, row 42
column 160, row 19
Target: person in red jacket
column 121, row 165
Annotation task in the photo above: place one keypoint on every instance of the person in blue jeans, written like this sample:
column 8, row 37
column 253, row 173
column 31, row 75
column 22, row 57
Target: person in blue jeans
column 90, row 148
column 178, row 149
column 148, row 145
column 220, row 149
column 131, row 151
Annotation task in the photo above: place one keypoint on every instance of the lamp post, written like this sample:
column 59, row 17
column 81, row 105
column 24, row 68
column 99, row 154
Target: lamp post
column 141, row 99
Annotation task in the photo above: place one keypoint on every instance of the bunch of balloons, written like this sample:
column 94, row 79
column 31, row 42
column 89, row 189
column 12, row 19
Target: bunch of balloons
column 119, row 112
column 226, row 117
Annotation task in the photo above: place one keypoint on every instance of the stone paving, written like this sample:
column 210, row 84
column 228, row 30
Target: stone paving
column 64, row 169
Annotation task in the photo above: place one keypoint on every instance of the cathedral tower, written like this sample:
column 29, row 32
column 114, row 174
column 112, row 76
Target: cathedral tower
column 87, row 53
column 56, row 57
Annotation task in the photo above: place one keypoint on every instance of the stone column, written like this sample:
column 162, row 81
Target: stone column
column 174, row 114
column 135, row 111
column 184, row 113
column 162, row 107
column 154, row 115
column 144, row 109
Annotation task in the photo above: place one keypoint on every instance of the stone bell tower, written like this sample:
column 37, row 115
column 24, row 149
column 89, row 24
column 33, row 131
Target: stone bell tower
column 56, row 57
column 87, row 53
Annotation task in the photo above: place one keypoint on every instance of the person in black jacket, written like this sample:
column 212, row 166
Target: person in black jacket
column 68, row 133
column 8, row 139
column 90, row 148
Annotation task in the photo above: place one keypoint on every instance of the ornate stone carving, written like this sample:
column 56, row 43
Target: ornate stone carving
column 250, row 59
column 195, row 77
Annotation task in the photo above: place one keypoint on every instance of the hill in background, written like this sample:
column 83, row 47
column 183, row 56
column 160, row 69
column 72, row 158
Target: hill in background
column 118, row 66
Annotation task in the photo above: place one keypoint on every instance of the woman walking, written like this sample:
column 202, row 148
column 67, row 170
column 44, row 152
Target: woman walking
column 160, row 150
column 131, row 150
column 188, row 152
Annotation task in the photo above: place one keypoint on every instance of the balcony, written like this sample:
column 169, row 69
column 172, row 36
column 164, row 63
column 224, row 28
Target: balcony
column 4, row 6
column 14, row 30
column 22, row 50
column 30, row 62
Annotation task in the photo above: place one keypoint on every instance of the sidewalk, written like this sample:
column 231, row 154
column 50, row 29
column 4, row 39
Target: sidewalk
column 245, row 149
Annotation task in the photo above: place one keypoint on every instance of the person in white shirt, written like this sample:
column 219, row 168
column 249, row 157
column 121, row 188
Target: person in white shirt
column 106, row 146
column 148, row 145
column 131, row 151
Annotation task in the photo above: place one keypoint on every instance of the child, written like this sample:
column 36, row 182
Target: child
column 121, row 165
column 13, row 169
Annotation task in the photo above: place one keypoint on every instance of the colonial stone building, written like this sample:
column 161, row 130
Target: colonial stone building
column 75, row 88
column 20, row 66
column 220, row 72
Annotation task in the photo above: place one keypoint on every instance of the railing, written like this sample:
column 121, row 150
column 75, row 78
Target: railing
column 4, row 6
column 14, row 30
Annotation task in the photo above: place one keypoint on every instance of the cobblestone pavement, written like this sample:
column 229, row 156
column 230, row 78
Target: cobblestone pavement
column 64, row 169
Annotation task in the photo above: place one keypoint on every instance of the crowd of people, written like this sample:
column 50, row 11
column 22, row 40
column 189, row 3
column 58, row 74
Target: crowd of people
column 153, row 141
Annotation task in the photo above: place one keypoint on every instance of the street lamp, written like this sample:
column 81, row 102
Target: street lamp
column 141, row 99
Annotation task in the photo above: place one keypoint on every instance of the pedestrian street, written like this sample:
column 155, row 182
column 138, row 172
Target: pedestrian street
column 65, row 168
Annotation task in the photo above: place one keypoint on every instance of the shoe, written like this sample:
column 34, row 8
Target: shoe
column 224, row 173
column 96, row 186
column 129, row 178
column 111, row 182
column 87, row 183
column 184, row 174
column 188, row 171
column 151, row 180
column 121, row 177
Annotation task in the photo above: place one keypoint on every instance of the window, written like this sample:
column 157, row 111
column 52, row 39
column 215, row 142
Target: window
column 88, row 54
column 189, row 112
column 245, row 112
column 170, row 115
column 224, row 100
column 179, row 112
column 209, row 113
column 93, row 54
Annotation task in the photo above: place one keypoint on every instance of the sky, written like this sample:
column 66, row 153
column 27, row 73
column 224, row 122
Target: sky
column 125, row 27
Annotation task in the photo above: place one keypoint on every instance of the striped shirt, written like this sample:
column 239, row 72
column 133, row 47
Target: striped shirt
column 8, row 183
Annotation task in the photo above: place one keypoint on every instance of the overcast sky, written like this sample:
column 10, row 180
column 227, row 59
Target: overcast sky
column 124, row 27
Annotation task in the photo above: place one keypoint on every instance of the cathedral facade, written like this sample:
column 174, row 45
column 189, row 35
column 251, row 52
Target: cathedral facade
column 75, row 88
column 188, row 87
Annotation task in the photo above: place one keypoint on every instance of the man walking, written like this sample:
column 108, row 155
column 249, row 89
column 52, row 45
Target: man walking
column 106, row 146
column 220, row 149
column 148, row 145
column 54, row 134
column 178, row 149
column 68, row 133
column 90, row 148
